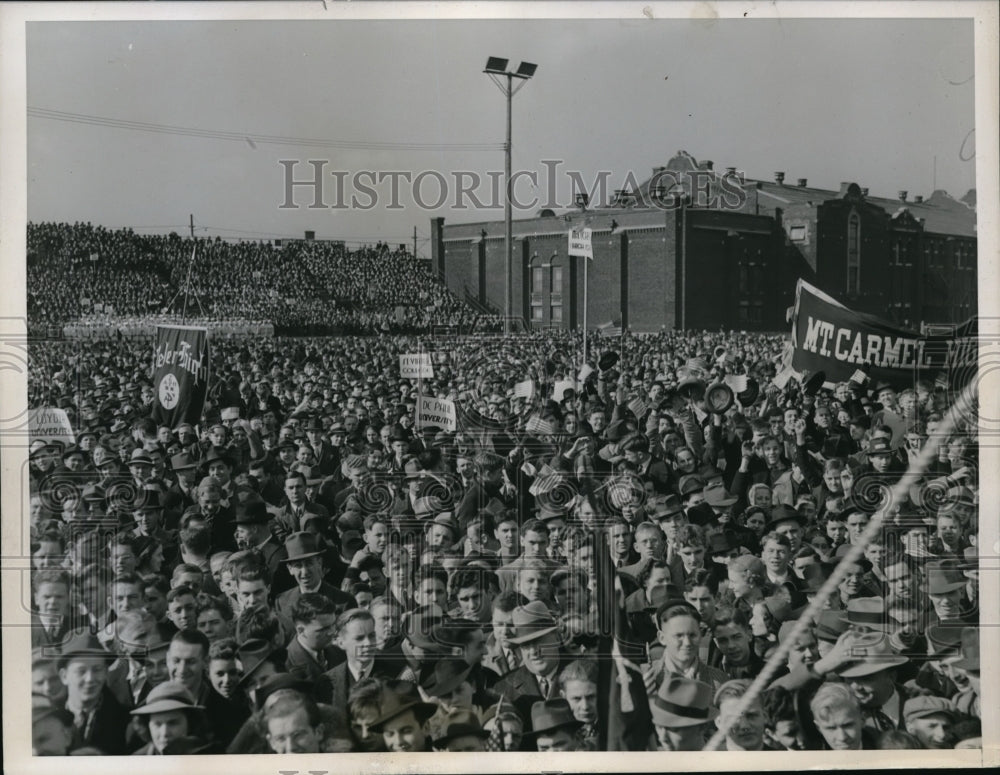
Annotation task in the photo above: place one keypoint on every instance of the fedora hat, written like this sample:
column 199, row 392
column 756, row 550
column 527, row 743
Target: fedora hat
column 872, row 654
column 814, row 383
column 75, row 450
column 718, row 543
column 691, row 483
column 531, row 622
column 550, row 715
column 667, row 506
column 460, row 723
column 252, row 513
column 395, row 703
column 718, row 496
column 301, row 546
column 607, row 360
column 970, row 649
column 215, row 455
column 749, row 396
column 783, row 513
column 719, row 397
column 183, row 461
column 830, row 625
column 879, row 447
column 169, row 695
column 444, row 676
column 420, row 626
column 149, row 499
column 446, row 519
column 254, row 653
column 682, row 702
column 282, row 681
column 84, row 645
column 139, row 457
column 867, row 612
column 942, row 578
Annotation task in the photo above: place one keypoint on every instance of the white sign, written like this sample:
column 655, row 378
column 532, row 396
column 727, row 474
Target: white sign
column 50, row 424
column 416, row 366
column 436, row 411
column 580, row 244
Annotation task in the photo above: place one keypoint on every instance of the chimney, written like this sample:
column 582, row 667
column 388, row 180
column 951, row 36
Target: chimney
column 310, row 235
column 730, row 170
column 918, row 198
column 708, row 164
column 779, row 178
column 902, row 196
column 864, row 192
column 802, row 182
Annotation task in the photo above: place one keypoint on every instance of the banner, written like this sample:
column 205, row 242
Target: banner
column 180, row 374
column 829, row 337
column 580, row 243
column 50, row 424
column 416, row 366
column 436, row 411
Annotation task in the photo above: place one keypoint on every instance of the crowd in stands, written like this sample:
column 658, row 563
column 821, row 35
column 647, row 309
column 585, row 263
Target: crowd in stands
column 306, row 568
column 90, row 273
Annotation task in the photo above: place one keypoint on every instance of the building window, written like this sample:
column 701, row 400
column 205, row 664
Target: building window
column 556, row 280
column 797, row 233
column 537, row 278
column 537, row 311
column 854, row 254
column 555, row 313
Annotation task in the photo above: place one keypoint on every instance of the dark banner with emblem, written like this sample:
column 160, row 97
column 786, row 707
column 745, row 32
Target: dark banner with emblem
column 829, row 337
column 180, row 374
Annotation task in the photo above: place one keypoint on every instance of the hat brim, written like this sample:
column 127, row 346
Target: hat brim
column 462, row 730
column 572, row 725
column 870, row 668
column 665, row 718
column 162, row 706
column 419, row 707
column 297, row 557
column 533, row 635
column 944, row 589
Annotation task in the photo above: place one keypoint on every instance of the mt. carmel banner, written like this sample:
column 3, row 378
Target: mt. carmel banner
column 829, row 337
column 180, row 376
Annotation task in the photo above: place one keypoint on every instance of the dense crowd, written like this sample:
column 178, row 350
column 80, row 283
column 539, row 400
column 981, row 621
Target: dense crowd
column 304, row 287
column 304, row 569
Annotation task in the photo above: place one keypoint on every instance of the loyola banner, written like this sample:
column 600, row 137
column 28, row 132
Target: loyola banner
column 180, row 375
column 829, row 337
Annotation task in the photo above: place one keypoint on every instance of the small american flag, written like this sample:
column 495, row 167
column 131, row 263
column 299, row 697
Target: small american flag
column 536, row 424
column 494, row 743
column 638, row 407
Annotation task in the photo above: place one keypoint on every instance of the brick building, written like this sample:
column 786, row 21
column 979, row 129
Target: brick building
column 695, row 248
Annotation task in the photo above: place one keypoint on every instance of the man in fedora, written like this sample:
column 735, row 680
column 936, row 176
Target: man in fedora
column 327, row 456
column 253, row 533
column 181, row 494
column 304, row 560
column 868, row 665
column 945, row 588
column 553, row 726
column 681, row 713
column 403, row 720
column 99, row 720
column 539, row 644
column 462, row 732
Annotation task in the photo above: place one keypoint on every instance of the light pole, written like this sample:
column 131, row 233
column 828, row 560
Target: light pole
column 496, row 69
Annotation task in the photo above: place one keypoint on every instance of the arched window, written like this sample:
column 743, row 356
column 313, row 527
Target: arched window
column 853, row 254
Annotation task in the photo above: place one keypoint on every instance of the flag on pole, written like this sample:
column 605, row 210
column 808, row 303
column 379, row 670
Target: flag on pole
column 524, row 389
column 611, row 328
column 638, row 407
column 536, row 424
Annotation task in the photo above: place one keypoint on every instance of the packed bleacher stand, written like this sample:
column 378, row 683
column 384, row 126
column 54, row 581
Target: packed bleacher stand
column 91, row 276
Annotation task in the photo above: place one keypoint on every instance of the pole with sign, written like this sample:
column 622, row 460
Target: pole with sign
column 580, row 244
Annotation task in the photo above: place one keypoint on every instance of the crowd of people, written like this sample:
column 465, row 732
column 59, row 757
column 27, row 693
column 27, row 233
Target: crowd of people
column 304, row 287
column 306, row 568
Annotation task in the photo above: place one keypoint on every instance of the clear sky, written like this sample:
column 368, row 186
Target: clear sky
column 872, row 101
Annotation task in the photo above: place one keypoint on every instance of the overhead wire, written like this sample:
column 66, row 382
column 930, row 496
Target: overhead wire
column 252, row 138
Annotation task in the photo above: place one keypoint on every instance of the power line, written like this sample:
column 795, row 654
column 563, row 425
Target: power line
column 245, row 137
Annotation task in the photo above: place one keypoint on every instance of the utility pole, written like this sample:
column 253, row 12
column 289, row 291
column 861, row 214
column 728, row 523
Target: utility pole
column 414, row 241
column 191, row 216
